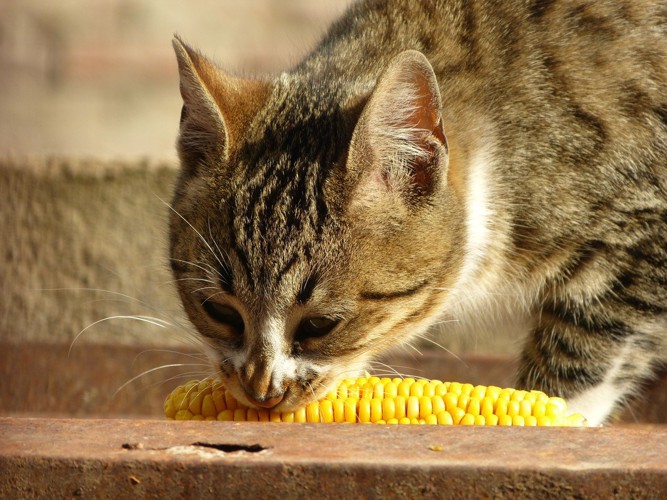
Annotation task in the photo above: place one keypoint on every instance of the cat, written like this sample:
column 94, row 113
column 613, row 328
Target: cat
column 450, row 161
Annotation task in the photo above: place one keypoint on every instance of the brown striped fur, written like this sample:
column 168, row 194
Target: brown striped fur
column 434, row 161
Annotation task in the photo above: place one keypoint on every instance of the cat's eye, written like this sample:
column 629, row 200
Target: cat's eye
column 315, row 327
column 224, row 314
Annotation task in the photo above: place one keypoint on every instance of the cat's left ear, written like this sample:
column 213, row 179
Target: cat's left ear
column 400, row 135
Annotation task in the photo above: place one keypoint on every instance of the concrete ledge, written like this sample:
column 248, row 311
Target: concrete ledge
column 118, row 458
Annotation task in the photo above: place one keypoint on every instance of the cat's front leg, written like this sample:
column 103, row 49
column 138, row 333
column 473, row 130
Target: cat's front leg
column 587, row 356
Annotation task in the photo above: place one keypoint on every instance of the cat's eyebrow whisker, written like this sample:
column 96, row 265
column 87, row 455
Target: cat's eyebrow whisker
column 146, row 319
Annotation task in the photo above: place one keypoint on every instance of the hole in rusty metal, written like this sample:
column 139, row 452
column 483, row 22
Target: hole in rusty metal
column 231, row 448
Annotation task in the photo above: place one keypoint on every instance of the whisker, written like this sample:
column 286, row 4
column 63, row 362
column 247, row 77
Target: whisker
column 203, row 240
column 146, row 319
column 151, row 370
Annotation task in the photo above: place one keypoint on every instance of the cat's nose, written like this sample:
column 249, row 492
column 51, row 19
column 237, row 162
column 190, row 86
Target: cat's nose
column 265, row 402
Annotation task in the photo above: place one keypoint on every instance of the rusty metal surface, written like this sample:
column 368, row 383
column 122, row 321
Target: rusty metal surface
column 143, row 458
column 43, row 380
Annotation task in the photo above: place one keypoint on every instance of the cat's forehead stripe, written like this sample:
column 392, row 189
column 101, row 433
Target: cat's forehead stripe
column 279, row 208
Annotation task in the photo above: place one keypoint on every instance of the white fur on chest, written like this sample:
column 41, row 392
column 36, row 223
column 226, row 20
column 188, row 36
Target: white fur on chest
column 486, row 299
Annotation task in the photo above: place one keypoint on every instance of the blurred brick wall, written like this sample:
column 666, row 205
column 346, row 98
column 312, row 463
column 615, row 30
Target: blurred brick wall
column 98, row 78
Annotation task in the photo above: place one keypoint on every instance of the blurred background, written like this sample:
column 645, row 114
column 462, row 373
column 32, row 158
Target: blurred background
column 98, row 78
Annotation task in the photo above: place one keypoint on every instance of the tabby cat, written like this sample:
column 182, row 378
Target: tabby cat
column 471, row 163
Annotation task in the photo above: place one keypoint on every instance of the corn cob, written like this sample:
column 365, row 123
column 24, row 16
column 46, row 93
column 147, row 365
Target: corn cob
column 383, row 401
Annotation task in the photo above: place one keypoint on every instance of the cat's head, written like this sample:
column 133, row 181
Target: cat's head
column 312, row 228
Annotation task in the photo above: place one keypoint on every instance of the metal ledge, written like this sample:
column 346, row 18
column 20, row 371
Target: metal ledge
column 118, row 458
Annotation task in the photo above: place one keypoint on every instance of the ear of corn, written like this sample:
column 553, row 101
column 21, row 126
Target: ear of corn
column 383, row 401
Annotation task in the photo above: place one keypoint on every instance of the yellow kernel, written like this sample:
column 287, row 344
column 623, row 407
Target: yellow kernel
column 388, row 409
column 463, row 401
column 326, row 411
column 467, row 389
column 451, row 401
column 576, row 419
column 518, row 420
column 474, row 407
column 491, row 419
column 400, row 407
column 208, row 408
column 431, row 419
column 404, row 388
column 226, row 415
column 539, row 409
column 252, row 415
column 393, row 421
column 339, row 410
column 378, row 390
column 205, row 385
column 218, row 396
column 441, row 390
column 455, row 387
column 530, row 421
column 544, row 421
column 274, row 416
column 195, row 403
column 181, row 401
column 374, row 380
column 263, row 415
column 364, row 410
column 558, row 405
column 478, row 392
column 350, row 410
column 367, row 391
column 417, row 390
column 391, row 390
column 518, row 395
column 287, row 416
column 376, row 409
column 438, row 404
column 361, row 381
column 239, row 415
column 429, row 390
column 467, row 419
column 486, row 406
column 504, row 420
column 342, row 391
column 513, row 408
column 525, row 408
column 183, row 415
column 501, row 407
column 480, row 420
column 457, row 414
column 300, row 415
column 425, row 407
column 332, row 395
column 493, row 391
column 404, row 421
column 412, row 407
column 197, row 417
column 353, row 392
column 313, row 412
column 445, row 418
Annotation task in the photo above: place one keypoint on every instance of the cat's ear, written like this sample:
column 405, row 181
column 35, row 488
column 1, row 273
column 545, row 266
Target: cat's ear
column 399, row 140
column 216, row 107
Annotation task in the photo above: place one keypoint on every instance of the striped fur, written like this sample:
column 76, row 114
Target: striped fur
column 332, row 192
